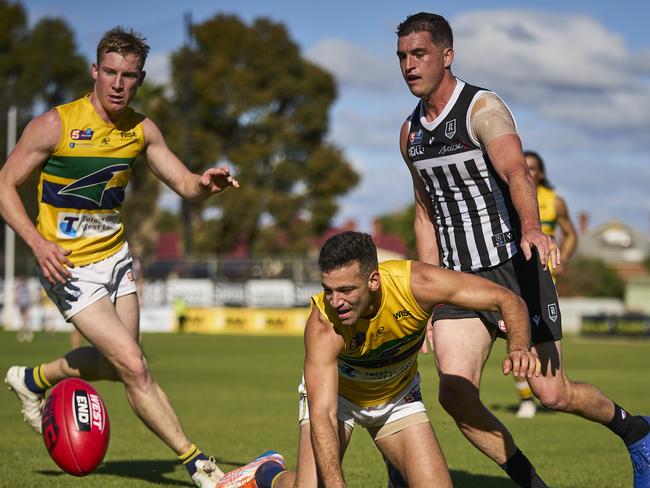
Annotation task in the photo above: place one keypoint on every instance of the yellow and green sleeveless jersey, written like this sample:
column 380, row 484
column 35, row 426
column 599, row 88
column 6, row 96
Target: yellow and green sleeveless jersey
column 81, row 186
column 547, row 211
column 380, row 354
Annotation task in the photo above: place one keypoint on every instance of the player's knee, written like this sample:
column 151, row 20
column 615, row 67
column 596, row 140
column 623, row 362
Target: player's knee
column 457, row 396
column 134, row 371
column 554, row 398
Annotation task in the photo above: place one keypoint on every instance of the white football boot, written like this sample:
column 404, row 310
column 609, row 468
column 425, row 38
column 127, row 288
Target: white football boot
column 32, row 402
column 207, row 473
column 527, row 409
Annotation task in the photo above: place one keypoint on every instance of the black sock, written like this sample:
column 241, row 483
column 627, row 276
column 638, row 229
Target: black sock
column 628, row 427
column 523, row 473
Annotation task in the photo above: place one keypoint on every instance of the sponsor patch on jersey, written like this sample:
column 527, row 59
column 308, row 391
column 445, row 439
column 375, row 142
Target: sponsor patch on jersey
column 81, row 134
column 73, row 225
column 415, row 137
column 502, row 239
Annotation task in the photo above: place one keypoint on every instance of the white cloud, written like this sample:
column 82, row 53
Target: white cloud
column 355, row 65
column 158, row 68
column 568, row 67
column 581, row 96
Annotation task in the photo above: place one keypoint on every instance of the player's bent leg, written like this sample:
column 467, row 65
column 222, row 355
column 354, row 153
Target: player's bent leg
column 462, row 346
column 415, row 452
column 555, row 391
column 100, row 324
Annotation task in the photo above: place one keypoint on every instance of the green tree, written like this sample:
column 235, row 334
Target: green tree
column 38, row 68
column 590, row 277
column 246, row 97
column 54, row 73
column 401, row 223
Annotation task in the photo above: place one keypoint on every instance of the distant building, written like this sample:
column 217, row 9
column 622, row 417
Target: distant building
column 622, row 247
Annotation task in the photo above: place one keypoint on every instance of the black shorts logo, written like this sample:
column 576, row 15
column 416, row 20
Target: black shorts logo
column 552, row 311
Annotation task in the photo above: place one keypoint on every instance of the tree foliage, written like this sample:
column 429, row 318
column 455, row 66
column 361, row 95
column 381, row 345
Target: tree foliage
column 39, row 68
column 247, row 98
column 401, row 223
column 590, row 277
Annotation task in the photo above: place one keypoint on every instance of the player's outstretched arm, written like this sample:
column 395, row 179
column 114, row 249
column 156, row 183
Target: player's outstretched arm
column 432, row 285
column 37, row 142
column 508, row 158
column 171, row 170
column 322, row 345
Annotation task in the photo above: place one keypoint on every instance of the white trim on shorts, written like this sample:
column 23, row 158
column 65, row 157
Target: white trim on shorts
column 374, row 417
column 87, row 284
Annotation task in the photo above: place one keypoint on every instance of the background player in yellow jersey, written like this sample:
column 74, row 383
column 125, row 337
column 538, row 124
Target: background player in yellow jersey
column 553, row 215
column 362, row 341
column 84, row 152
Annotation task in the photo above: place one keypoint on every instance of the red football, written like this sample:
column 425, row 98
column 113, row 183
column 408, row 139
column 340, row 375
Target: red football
column 76, row 429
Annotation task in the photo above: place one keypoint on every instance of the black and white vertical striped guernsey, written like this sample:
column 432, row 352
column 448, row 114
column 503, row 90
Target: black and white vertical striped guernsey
column 477, row 225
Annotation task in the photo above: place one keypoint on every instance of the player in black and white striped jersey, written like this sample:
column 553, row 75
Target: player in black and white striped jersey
column 476, row 211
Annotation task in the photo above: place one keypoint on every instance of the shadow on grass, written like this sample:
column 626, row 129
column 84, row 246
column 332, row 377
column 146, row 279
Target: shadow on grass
column 153, row 471
column 469, row 480
column 513, row 407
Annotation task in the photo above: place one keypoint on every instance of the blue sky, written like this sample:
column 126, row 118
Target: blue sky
column 575, row 74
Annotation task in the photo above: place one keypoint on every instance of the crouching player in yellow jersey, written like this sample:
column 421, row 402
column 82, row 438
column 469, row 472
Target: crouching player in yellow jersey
column 362, row 341
column 84, row 152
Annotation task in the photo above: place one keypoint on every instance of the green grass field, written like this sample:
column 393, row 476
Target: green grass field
column 236, row 397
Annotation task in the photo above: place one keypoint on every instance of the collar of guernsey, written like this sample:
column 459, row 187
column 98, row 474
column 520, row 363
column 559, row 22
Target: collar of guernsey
column 380, row 354
column 82, row 185
column 547, row 210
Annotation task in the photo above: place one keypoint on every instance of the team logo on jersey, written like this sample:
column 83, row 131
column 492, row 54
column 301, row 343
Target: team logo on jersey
column 81, row 135
column 450, row 128
column 93, row 186
column 415, row 137
column 552, row 311
column 502, row 239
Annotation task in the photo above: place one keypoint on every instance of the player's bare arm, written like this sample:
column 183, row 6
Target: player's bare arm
column 432, row 285
column 423, row 226
column 491, row 123
column 322, row 345
column 38, row 140
column 569, row 234
column 171, row 170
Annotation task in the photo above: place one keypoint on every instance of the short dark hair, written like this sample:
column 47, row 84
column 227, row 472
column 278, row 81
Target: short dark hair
column 436, row 25
column 347, row 247
column 544, row 181
column 123, row 41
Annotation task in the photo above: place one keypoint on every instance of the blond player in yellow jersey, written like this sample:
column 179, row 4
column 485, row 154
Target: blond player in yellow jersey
column 84, row 152
column 362, row 341
column 553, row 215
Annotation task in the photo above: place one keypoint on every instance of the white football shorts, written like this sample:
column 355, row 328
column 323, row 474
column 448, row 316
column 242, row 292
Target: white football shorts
column 405, row 409
column 112, row 276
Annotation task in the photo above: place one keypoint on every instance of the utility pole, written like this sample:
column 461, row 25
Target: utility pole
column 9, row 308
column 187, row 207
